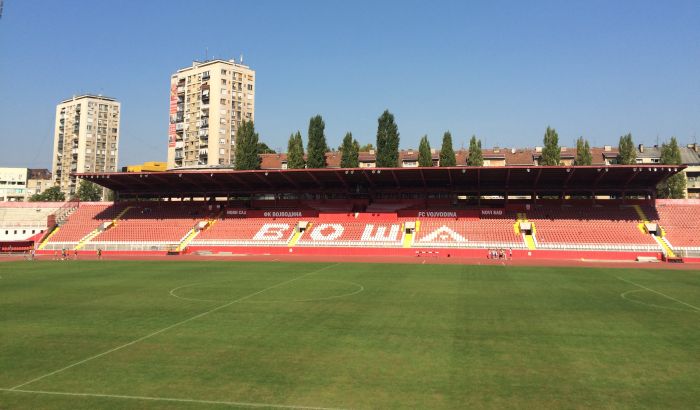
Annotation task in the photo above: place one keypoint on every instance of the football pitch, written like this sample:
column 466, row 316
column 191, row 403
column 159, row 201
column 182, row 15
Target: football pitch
column 211, row 334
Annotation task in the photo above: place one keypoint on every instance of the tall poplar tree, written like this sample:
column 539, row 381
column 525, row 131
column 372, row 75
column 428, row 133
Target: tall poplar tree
column 387, row 141
column 583, row 152
column 316, row 145
column 247, row 147
column 674, row 186
column 447, row 153
column 350, row 152
column 476, row 157
column 551, row 153
column 425, row 157
column 627, row 153
column 295, row 152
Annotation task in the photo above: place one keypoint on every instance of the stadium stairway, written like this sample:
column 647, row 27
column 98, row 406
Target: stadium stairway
column 528, row 239
column 188, row 238
column 194, row 232
column 408, row 237
column 297, row 234
column 47, row 237
column 87, row 238
column 661, row 240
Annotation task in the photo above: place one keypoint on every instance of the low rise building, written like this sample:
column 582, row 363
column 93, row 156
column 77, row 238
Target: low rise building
column 19, row 184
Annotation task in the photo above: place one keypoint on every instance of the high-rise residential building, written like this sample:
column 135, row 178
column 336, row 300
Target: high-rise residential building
column 86, row 138
column 208, row 102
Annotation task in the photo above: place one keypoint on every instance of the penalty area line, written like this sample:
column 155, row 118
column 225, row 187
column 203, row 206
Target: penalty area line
column 182, row 322
column 170, row 399
column 697, row 309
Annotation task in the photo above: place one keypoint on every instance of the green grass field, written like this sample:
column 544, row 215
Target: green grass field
column 205, row 335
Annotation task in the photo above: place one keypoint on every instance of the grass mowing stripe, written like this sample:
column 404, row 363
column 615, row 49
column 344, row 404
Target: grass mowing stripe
column 172, row 399
column 157, row 332
column 659, row 293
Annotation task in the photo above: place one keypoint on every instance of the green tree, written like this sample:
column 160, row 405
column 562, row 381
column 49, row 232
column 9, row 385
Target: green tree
column 674, row 186
column 350, row 157
column 295, row 152
column 88, row 191
column 670, row 153
column 316, row 145
column 265, row 149
column 551, row 152
column 627, row 153
column 476, row 157
column 52, row 194
column 247, row 147
column 387, row 141
column 447, row 153
column 425, row 157
column 583, row 152
column 366, row 147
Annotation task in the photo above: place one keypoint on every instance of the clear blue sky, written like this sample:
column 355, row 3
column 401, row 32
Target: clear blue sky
column 502, row 70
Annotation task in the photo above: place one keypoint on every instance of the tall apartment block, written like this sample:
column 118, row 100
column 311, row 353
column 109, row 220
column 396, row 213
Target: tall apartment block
column 86, row 138
column 208, row 102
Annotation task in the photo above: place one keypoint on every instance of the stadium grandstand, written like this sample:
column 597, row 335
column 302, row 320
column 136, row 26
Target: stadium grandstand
column 562, row 212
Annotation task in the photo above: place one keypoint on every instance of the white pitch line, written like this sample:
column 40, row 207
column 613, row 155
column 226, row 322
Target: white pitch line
column 157, row 332
column 360, row 289
column 624, row 296
column 659, row 293
column 171, row 399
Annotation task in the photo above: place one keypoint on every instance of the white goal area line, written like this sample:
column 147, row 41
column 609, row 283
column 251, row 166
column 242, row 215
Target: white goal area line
column 697, row 309
column 170, row 399
column 157, row 332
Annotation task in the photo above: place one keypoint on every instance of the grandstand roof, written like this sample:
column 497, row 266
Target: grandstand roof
column 514, row 180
